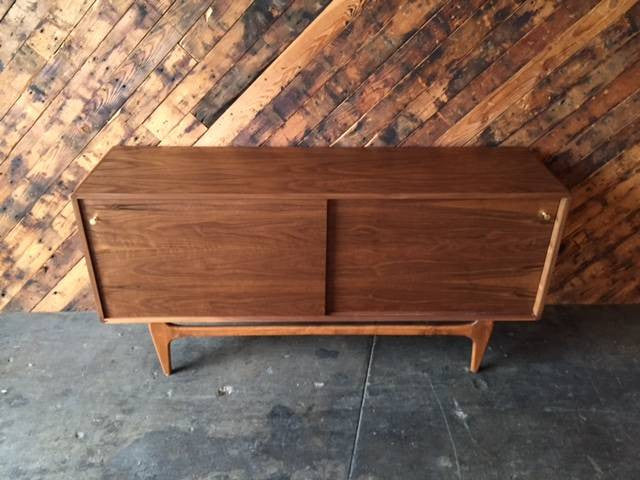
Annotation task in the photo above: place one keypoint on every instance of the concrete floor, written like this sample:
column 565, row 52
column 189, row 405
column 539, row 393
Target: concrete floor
column 558, row 399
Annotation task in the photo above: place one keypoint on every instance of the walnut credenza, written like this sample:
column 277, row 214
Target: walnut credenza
column 289, row 241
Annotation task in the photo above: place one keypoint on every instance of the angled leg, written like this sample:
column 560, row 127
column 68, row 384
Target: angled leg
column 480, row 335
column 162, row 335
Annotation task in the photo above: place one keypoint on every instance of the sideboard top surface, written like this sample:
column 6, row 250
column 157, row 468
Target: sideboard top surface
column 422, row 172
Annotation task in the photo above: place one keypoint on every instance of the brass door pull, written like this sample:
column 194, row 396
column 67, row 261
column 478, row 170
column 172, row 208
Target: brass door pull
column 544, row 216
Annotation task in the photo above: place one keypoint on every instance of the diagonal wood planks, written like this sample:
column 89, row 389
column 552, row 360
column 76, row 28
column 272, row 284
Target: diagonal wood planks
column 80, row 76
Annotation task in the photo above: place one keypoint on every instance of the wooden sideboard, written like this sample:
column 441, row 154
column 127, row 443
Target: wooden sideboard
column 344, row 241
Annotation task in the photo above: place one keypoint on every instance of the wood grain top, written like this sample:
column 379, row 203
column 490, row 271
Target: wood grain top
column 432, row 172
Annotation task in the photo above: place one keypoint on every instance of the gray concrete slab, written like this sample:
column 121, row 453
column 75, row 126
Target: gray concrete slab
column 556, row 400
column 83, row 400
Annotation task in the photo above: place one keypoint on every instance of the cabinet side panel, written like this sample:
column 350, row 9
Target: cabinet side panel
column 552, row 253
column 89, row 256
column 481, row 257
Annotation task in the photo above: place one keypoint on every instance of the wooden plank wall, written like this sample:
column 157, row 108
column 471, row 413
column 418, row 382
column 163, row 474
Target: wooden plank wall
column 80, row 76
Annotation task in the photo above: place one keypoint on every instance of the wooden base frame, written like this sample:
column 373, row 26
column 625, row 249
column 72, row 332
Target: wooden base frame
column 163, row 334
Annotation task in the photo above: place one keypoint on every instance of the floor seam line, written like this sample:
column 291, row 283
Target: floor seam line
column 365, row 388
column 446, row 423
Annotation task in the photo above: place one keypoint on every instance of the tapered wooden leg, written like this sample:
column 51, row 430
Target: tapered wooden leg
column 162, row 335
column 480, row 335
